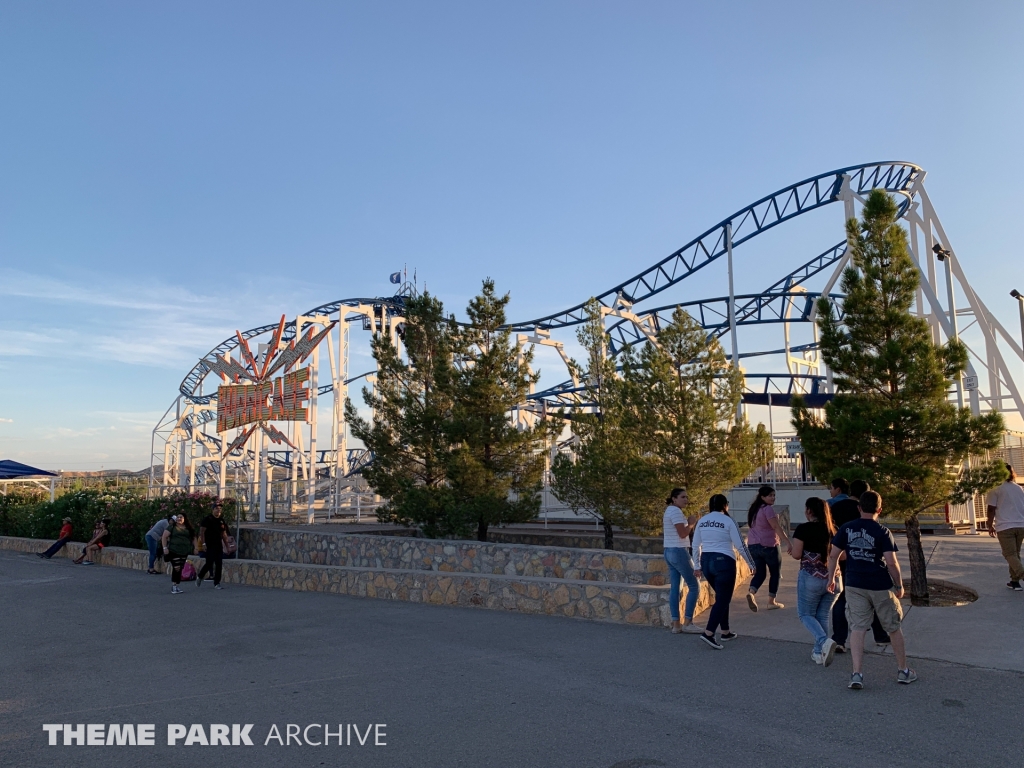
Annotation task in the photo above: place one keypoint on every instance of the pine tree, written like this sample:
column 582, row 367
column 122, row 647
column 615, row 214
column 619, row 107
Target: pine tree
column 497, row 470
column 604, row 472
column 447, row 456
column 412, row 405
column 891, row 422
column 681, row 399
column 668, row 420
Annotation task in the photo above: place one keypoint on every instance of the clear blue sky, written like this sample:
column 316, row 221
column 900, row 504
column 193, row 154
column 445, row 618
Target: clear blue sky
column 170, row 172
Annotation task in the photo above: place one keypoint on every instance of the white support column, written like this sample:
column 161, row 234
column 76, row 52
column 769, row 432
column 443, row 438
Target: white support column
column 311, row 477
column 732, row 312
column 262, row 452
column 222, row 473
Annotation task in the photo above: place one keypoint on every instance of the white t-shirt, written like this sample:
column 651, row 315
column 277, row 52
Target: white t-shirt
column 1008, row 499
column 672, row 516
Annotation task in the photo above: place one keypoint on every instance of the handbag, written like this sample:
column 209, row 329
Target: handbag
column 188, row 572
column 229, row 546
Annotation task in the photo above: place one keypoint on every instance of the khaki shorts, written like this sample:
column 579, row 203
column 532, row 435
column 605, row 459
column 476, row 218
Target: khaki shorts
column 863, row 604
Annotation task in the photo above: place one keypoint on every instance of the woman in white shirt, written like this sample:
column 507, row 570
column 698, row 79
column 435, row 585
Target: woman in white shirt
column 716, row 539
column 676, row 545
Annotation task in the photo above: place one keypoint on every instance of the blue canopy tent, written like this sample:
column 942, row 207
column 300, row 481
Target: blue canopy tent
column 15, row 471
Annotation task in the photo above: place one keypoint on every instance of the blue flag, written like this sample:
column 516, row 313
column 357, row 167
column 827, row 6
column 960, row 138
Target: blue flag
column 396, row 277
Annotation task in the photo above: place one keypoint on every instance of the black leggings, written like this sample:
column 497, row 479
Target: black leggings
column 214, row 565
column 177, row 563
column 767, row 562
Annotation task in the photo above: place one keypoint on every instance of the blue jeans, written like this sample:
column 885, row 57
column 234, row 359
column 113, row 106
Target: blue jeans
column 720, row 572
column 58, row 545
column 680, row 569
column 154, row 547
column 766, row 559
column 814, row 606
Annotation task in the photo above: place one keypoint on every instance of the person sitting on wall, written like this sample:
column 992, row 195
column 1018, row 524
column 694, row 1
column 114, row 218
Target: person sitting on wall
column 100, row 539
column 62, row 539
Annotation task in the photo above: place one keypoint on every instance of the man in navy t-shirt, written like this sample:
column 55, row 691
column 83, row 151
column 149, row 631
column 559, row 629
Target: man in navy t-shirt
column 874, row 584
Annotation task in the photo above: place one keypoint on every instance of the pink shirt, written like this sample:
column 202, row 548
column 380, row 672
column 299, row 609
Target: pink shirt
column 761, row 532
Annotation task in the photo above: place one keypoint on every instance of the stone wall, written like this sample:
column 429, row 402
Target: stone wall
column 622, row 603
column 642, row 545
column 405, row 553
column 420, row 576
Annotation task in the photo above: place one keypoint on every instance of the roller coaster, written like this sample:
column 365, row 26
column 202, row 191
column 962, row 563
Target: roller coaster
column 323, row 474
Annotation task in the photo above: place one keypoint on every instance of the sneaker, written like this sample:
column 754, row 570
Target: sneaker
column 856, row 681
column 199, row 583
column 752, row 601
column 775, row 604
column 840, row 648
column 218, row 586
column 906, row 676
column 816, row 657
column 88, row 562
column 691, row 629
column 729, row 636
column 176, row 591
column 828, row 651
column 710, row 640
column 1015, row 586
column 40, row 555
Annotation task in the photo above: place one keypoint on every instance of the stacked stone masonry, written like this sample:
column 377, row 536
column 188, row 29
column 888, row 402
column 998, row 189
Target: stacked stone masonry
column 390, row 552
column 522, row 579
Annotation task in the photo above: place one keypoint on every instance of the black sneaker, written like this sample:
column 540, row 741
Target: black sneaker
column 1015, row 586
column 729, row 636
column 710, row 640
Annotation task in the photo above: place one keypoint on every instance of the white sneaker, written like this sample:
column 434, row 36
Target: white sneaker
column 828, row 651
column 817, row 658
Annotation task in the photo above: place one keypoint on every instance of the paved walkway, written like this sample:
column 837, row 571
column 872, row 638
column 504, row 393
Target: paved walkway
column 456, row 687
column 986, row 633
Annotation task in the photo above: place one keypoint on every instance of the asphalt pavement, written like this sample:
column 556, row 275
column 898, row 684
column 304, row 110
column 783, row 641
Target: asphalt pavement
column 451, row 687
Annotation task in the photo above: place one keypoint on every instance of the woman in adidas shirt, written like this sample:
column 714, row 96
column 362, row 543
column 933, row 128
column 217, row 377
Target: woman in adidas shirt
column 676, row 530
column 716, row 539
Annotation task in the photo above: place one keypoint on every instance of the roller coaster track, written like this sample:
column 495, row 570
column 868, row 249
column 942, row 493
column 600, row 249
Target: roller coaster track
column 764, row 214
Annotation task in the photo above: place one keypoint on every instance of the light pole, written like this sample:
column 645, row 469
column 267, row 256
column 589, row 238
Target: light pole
column 947, row 259
column 1020, row 304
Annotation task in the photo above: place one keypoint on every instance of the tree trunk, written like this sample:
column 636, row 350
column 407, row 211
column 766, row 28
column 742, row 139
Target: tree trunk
column 918, row 567
column 608, row 543
column 481, row 530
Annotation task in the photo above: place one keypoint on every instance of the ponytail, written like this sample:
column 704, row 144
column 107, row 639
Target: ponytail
column 758, row 502
column 675, row 492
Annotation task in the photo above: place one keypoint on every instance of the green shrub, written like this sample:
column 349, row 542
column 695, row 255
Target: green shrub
column 130, row 516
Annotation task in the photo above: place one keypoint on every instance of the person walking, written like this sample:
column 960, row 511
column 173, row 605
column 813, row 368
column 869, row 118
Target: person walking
column 178, row 543
column 213, row 535
column 62, row 539
column 676, row 530
column 814, row 600
column 716, row 539
column 100, row 539
column 1006, row 523
column 844, row 511
column 153, row 538
column 874, row 585
column 839, row 490
column 764, row 534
